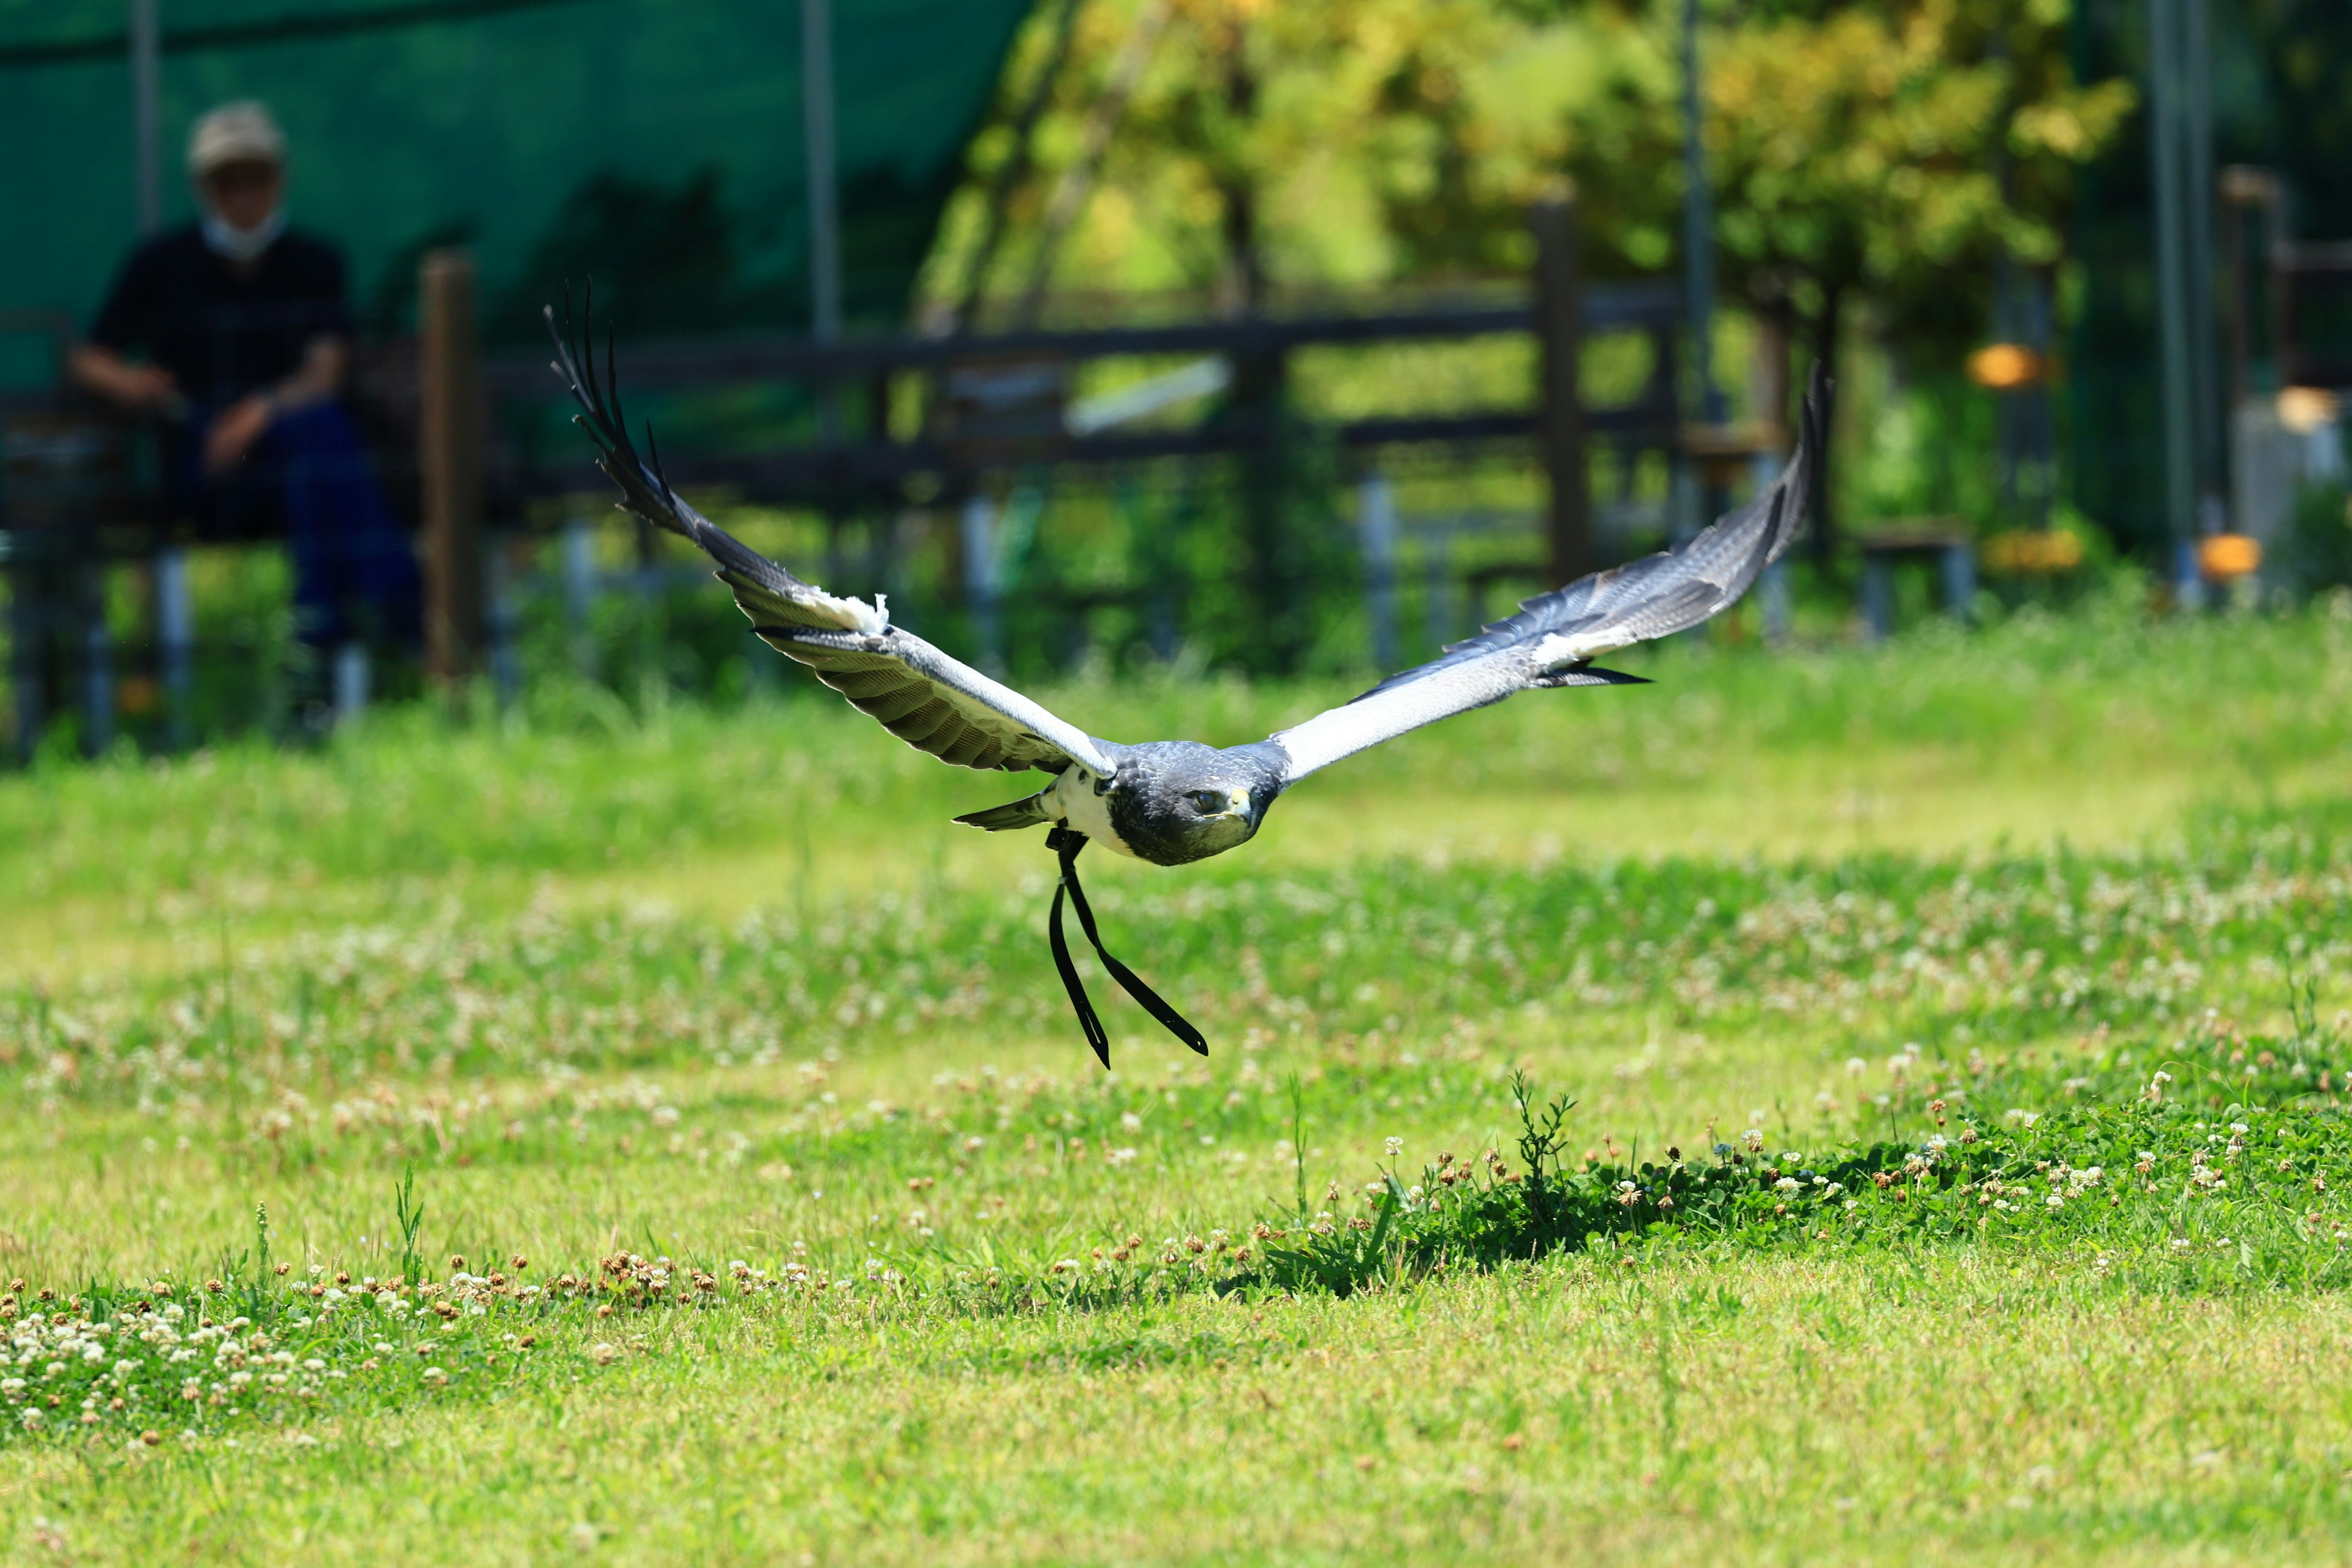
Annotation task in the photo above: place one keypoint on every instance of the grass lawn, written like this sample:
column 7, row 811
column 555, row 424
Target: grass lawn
column 578, row 1136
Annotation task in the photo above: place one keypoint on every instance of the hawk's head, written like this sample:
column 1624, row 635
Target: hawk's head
column 1175, row 801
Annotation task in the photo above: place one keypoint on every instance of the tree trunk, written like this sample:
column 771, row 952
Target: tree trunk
column 1825, row 350
column 1273, row 584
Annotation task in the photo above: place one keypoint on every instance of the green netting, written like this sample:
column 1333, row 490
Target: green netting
column 2282, row 100
column 658, row 141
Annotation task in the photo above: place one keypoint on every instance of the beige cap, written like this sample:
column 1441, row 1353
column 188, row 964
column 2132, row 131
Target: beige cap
column 240, row 133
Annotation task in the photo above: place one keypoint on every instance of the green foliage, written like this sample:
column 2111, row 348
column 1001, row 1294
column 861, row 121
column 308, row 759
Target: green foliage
column 749, row 1185
column 2199, row 1166
column 2317, row 553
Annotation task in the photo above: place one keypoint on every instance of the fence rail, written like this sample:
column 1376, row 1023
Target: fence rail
column 996, row 404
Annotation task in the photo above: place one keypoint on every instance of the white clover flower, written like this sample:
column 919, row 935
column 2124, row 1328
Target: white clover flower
column 1395, row 1146
column 1855, row 1066
column 1786, row 1184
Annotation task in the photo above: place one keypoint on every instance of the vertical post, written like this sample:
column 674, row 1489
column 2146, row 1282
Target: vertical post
column 1438, row 566
column 1560, row 325
column 2198, row 186
column 499, row 617
column 579, row 594
column 1376, row 515
column 1768, row 390
column 146, row 88
column 1878, row 594
column 979, row 542
column 1698, row 227
column 353, row 676
column 175, row 638
column 98, row 658
column 449, row 463
column 29, row 636
column 1956, row 564
column 2166, row 114
column 824, row 206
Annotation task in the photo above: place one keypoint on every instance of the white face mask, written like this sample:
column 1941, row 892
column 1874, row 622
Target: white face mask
column 242, row 244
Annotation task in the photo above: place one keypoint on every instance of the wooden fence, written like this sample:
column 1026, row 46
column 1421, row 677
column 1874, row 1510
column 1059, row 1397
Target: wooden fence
column 996, row 404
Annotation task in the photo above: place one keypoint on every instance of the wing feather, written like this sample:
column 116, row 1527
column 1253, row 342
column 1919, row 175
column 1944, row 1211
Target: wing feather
column 851, row 645
column 1554, row 637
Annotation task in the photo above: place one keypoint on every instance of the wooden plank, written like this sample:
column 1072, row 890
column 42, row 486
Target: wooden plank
column 449, row 463
column 1559, row 403
column 812, row 473
column 649, row 366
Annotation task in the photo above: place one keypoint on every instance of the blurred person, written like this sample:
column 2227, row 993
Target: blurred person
column 242, row 335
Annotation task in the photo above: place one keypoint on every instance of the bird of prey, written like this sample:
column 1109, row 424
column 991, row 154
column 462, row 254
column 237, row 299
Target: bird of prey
column 1173, row 802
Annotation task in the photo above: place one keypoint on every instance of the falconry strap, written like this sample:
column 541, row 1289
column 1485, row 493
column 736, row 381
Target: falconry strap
column 1066, row 844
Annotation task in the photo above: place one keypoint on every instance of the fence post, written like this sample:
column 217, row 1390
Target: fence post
column 28, row 646
column 354, row 681
column 1559, row 415
column 175, row 638
column 501, row 619
column 1376, row 513
column 98, row 658
column 580, row 593
column 1436, row 560
column 449, row 463
column 979, row 542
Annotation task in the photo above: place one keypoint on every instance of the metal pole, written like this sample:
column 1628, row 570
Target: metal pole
column 97, row 660
column 579, row 594
column 29, row 632
column 353, row 679
column 1559, row 407
column 2165, row 116
column 146, row 49
column 175, row 635
column 2196, row 183
column 1698, row 228
column 980, row 578
column 1376, row 509
column 825, row 202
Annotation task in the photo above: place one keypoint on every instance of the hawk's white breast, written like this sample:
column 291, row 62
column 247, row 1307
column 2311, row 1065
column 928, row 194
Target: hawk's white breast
column 1077, row 807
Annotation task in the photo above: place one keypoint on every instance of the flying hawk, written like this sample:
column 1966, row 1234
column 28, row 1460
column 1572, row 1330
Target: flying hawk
column 1173, row 802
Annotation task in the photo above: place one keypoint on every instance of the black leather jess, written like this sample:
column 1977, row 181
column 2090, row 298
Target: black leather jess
column 1066, row 843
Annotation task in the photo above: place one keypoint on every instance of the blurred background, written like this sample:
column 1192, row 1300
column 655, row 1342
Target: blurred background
column 1208, row 335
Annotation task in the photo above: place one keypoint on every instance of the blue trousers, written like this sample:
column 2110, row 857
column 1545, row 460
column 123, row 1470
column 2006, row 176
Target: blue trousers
column 355, row 577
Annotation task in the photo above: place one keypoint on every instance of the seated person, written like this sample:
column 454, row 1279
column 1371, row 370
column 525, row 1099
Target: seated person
column 245, row 339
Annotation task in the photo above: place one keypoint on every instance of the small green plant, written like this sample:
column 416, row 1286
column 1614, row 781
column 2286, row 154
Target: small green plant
column 411, row 1216
column 1539, row 1145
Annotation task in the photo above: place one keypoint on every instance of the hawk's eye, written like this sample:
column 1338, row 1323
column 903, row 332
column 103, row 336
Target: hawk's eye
column 1207, row 802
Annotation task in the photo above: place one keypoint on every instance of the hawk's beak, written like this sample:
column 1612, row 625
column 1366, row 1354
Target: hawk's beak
column 1237, row 804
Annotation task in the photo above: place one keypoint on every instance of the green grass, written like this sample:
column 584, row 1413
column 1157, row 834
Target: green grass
column 724, row 995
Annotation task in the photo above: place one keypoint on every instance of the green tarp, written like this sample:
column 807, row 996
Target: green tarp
column 658, row 141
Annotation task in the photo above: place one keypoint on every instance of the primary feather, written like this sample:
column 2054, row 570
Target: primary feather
column 1554, row 636
column 931, row 701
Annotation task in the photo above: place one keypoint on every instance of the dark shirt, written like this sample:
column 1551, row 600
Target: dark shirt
column 223, row 331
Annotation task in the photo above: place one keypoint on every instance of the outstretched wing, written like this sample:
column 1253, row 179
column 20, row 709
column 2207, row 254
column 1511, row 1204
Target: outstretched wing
column 933, row 703
column 1554, row 637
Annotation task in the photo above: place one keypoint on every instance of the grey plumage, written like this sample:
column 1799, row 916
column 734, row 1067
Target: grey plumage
column 1173, row 802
